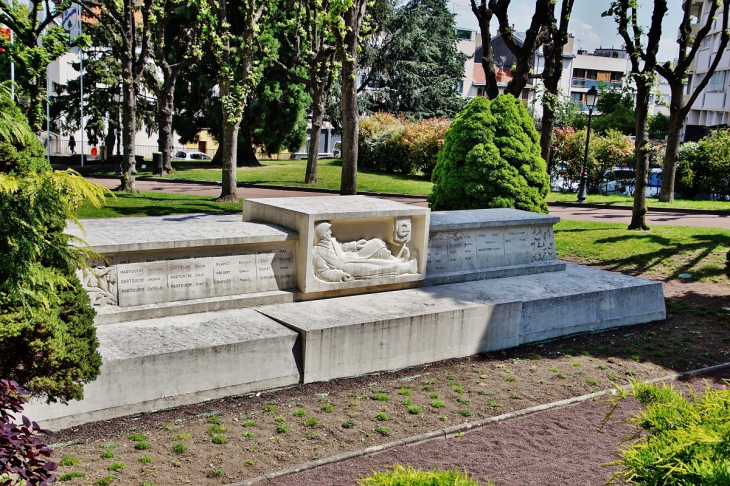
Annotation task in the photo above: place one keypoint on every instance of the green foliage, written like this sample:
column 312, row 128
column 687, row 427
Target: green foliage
column 383, row 430
column 401, row 476
column 116, row 466
column 491, row 159
column 145, row 459
column 142, row 446
column 704, row 167
column 105, row 481
column 138, row 437
column 622, row 119
column 107, row 454
column 70, row 476
column 658, row 125
column 394, row 144
column 687, row 442
column 381, row 417
column 414, row 410
column 220, row 440
column 183, row 436
column 179, row 448
column 68, row 461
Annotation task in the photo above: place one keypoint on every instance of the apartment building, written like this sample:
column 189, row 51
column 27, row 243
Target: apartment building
column 712, row 108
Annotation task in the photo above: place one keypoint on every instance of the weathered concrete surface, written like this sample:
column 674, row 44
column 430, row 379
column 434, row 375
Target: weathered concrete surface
column 491, row 218
column 492, row 273
column 162, row 363
column 361, row 334
column 366, row 333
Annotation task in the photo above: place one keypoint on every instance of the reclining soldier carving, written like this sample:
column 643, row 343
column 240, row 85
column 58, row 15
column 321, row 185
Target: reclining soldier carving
column 363, row 259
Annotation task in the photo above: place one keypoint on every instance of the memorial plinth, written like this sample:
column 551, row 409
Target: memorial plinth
column 350, row 242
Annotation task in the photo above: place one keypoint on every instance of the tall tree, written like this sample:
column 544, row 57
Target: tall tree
column 128, row 24
column 642, row 48
column 676, row 74
column 176, row 46
column 417, row 66
column 553, row 51
column 347, row 18
column 313, row 54
column 37, row 41
column 524, row 51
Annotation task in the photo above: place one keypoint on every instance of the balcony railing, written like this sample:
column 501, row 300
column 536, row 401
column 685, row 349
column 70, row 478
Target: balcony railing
column 588, row 83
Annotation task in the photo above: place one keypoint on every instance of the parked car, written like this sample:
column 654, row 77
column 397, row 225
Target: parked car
column 623, row 180
column 182, row 155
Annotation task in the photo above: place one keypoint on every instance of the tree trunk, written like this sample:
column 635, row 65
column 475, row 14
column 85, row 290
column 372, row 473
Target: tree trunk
column 641, row 158
column 164, row 124
column 35, row 108
column 676, row 120
column 317, row 119
column 246, row 153
column 229, row 151
column 350, row 122
column 129, row 129
column 546, row 134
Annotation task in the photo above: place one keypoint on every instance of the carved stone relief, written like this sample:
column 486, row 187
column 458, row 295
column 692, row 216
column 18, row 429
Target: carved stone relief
column 372, row 259
column 543, row 243
column 100, row 283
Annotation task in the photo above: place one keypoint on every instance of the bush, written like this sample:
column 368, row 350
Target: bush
column 491, row 159
column 22, row 454
column 407, row 476
column 712, row 165
column 687, row 442
column 390, row 143
column 47, row 338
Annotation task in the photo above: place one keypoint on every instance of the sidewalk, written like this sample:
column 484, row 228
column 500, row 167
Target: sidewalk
column 580, row 213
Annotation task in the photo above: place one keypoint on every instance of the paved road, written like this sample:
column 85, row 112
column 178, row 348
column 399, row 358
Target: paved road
column 607, row 215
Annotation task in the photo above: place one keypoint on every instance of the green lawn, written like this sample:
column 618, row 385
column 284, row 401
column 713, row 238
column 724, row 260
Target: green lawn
column 291, row 173
column 615, row 200
column 155, row 204
column 665, row 251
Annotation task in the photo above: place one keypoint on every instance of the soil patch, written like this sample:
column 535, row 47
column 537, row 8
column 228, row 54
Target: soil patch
column 240, row 438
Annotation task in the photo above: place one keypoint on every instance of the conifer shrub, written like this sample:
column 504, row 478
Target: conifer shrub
column 408, row 476
column 491, row 159
column 47, row 338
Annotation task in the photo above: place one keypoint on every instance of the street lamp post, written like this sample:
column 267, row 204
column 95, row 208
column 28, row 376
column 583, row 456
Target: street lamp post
column 591, row 99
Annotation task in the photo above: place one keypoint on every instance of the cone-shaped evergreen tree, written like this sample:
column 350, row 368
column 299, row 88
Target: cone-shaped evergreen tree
column 491, row 159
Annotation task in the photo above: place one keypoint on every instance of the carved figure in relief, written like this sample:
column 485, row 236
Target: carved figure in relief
column 355, row 260
column 100, row 283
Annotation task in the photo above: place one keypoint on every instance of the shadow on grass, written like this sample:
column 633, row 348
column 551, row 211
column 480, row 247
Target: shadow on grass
column 151, row 205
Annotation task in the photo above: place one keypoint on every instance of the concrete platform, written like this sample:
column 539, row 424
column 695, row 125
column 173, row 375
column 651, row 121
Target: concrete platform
column 162, row 363
column 367, row 333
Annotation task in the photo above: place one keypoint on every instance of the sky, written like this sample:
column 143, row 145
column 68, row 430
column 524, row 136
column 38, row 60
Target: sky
column 590, row 29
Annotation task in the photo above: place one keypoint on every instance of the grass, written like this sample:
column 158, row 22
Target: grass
column 183, row 436
column 138, row 437
column 68, row 461
column 179, row 448
column 616, row 200
column 291, row 173
column 665, row 251
column 71, row 476
column 156, row 204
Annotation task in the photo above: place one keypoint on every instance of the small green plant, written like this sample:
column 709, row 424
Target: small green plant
column 382, row 430
column 560, row 376
column 311, row 422
column 535, row 356
column 463, row 401
column 219, row 440
column 405, row 392
column 143, row 446
column 454, row 383
column 145, row 459
column 328, row 408
column 182, row 436
column 312, row 435
column 250, row 423
column 381, row 397
column 348, row 424
column 171, row 427
column 71, row 476
column 486, row 392
column 381, row 417
column 612, row 376
column 68, row 461
column 510, row 378
column 105, row 481
column 408, row 401
column 279, row 420
column 585, row 353
column 575, row 363
column 249, row 435
column 533, row 368
column 138, row 437
column 494, row 404
column 591, row 381
column 300, row 413
column 443, row 418
column 179, row 448
column 282, row 429
column 107, row 454
column 215, row 420
column 451, row 377
column 554, row 369
column 216, row 429
column 458, row 390
column 631, row 373
column 438, row 404
column 116, row 466
column 398, row 475
column 478, row 370
column 109, row 445
column 434, row 396
column 218, row 473
column 636, row 358
column 602, row 367
column 568, row 356
column 270, row 408
column 415, row 410
column 255, row 447
column 430, row 381
column 322, row 398
column 427, row 388
column 248, row 462
column 465, row 412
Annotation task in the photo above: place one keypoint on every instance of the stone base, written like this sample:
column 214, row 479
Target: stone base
column 162, row 363
column 367, row 333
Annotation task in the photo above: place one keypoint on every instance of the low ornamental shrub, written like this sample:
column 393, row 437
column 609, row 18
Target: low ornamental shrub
column 22, row 454
column 704, row 167
column 408, row 476
column 683, row 442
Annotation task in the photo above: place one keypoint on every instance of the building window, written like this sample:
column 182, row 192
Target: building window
column 706, row 42
column 718, row 81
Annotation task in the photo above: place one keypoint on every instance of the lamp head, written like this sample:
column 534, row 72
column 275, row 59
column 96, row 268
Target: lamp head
column 592, row 97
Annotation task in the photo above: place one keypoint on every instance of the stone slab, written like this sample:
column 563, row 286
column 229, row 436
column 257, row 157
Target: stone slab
column 114, row 235
column 494, row 272
column 486, row 218
column 352, row 219
column 367, row 333
column 161, row 363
